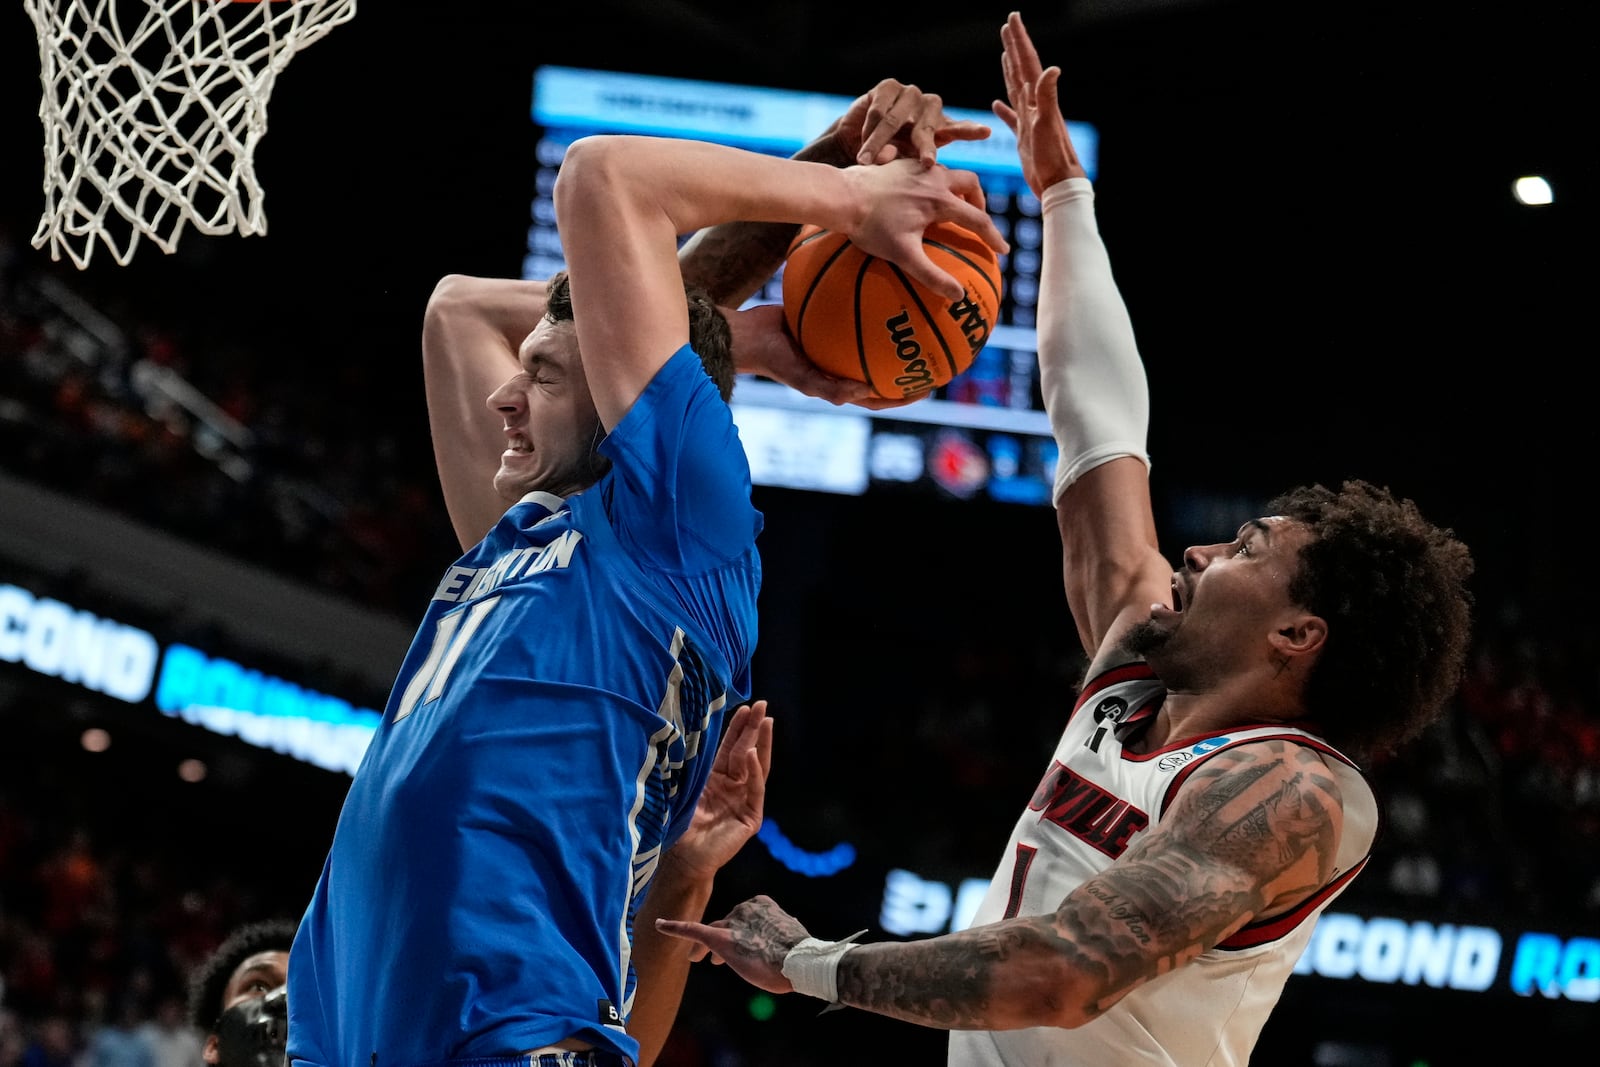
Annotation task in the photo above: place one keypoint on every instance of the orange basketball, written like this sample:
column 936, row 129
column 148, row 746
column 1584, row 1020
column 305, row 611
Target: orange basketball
column 860, row 317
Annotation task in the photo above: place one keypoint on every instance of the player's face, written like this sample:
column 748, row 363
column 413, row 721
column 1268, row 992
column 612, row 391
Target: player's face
column 252, row 1033
column 254, row 978
column 549, row 418
column 1226, row 602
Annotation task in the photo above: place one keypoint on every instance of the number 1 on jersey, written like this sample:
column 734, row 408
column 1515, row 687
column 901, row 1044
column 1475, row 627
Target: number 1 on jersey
column 450, row 639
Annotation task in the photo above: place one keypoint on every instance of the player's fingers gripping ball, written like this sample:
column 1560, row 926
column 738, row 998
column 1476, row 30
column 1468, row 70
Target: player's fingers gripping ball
column 863, row 318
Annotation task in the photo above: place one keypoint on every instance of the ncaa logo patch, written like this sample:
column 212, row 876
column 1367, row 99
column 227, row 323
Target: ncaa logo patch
column 1209, row 746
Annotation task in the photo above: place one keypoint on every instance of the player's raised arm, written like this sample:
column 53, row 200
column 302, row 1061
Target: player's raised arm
column 1090, row 373
column 892, row 120
column 731, row 261
column 622, row 201
column 470, row 335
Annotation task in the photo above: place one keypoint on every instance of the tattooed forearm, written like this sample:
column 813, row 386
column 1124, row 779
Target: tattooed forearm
column 1111, row 935
column 1255, row 829
column 1017, row 973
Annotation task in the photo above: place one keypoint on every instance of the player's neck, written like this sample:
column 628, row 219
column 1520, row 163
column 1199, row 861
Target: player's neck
column 1187, row 715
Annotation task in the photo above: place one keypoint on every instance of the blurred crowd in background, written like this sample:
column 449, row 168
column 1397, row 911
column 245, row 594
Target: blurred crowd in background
column 276, row 455
column 1495, row 814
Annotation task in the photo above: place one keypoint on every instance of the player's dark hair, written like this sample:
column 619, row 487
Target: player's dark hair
column 1392, row 587
column 709, row 333
column 211, row 977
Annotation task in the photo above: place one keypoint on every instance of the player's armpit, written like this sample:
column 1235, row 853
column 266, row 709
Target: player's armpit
column 1252, row 833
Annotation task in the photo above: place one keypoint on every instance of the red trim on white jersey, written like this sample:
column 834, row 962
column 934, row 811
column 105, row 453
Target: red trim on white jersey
column 1209, row 1011
column 1259, row 933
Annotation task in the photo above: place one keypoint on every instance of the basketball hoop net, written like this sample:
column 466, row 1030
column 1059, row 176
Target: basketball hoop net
column 154, row 127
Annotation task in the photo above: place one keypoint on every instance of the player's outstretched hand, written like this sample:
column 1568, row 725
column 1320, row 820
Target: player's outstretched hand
column 763, row 345
column 730, row 808
column 1034, row 112
column 894, row 120
column 753, row 939
column 903, row 199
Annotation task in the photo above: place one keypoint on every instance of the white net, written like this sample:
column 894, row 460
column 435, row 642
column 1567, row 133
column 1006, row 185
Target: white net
column 152, row 111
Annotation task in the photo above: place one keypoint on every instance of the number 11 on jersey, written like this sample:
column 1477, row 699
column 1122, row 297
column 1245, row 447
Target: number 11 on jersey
column 450, row 639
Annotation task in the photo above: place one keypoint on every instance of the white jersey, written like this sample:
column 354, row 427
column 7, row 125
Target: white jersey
column 1096, row 800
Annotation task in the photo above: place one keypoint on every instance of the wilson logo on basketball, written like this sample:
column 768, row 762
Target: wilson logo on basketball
column 915, row 375
column 969, row 315
column 863, row 318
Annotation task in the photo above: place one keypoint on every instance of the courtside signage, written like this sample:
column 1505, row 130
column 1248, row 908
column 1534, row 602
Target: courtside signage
column 55, row 639
column 1446, row 956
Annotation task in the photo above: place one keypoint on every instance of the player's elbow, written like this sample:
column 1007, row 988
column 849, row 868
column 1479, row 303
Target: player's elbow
column 450, row 294
column 589, row 174
column 449, row 306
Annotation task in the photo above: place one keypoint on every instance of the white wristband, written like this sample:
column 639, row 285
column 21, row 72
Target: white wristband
column 812, row 966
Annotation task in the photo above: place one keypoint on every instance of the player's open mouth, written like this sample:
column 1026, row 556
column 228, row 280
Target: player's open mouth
column 1177, row 596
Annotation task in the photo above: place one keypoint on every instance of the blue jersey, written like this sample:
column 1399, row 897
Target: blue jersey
column 548, row 735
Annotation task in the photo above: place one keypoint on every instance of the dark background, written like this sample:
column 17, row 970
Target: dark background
column 1308, row 208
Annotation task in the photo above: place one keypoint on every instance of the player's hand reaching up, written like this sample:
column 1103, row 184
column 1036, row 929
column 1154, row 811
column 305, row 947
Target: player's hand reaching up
column 898, row 121
column 730, row 809
column 1034, row 111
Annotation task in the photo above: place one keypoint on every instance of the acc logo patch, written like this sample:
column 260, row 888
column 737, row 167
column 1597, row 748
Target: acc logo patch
column 1173, row 760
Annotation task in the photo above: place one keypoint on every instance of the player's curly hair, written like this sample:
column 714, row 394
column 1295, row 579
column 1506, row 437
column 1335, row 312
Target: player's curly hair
column 211, row 978
column 709, row 333
column 1392, row 587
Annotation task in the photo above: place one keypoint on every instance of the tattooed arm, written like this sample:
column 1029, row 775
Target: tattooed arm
column 1250, row 835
